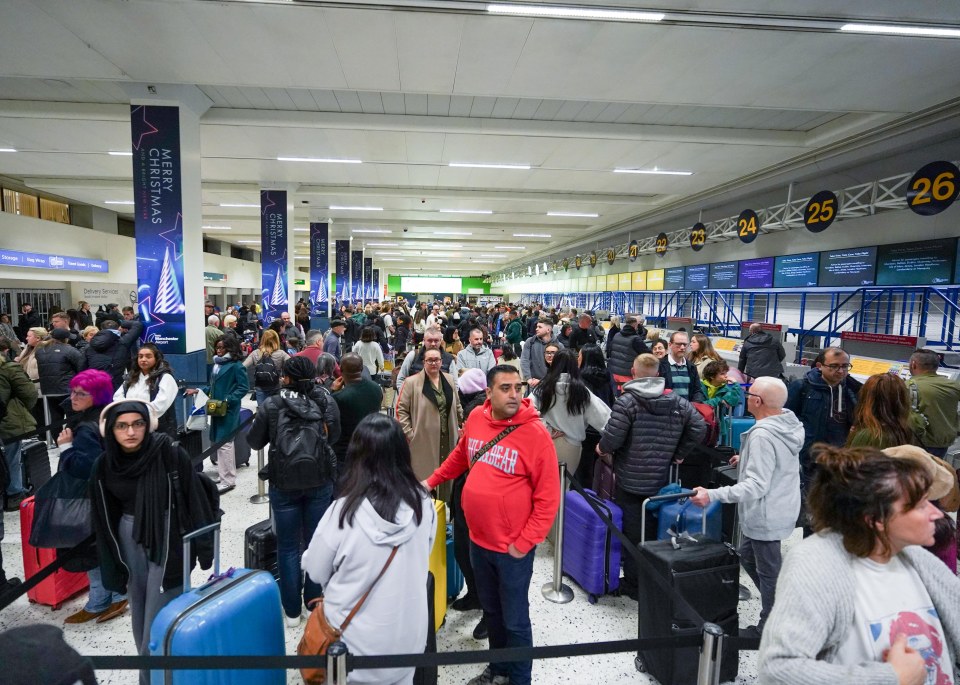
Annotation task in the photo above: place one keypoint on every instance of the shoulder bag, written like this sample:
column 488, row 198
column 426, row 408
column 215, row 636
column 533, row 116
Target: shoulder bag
column 319, row 634
column 486, row 448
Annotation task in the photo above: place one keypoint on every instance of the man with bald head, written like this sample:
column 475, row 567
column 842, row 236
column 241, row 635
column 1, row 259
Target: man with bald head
column 767, row 492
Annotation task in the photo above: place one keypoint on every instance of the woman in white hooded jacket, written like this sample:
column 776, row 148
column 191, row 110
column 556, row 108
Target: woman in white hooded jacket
column 381, row 505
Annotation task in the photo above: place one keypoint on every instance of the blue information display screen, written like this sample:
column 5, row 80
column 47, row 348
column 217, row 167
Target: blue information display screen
column 696, row 277
column 35, row 260
column 796, row 270
column 723, row 276
column 755, row 273
column 673, row 278
column 852, row 267
column 928, row 262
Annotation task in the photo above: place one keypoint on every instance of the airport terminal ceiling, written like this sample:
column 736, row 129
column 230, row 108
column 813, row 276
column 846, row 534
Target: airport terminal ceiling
column 388, row 118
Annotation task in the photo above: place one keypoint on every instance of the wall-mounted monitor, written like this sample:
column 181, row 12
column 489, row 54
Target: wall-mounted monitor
column 755, row 273
column 673, row 278
column 852, row 267
column 927, row 262
column 796, row 270
column 696, row 277
column 723, row 276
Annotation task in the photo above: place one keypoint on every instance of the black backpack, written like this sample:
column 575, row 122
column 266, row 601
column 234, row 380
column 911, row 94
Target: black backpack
column 301, row 457
column 266, row 373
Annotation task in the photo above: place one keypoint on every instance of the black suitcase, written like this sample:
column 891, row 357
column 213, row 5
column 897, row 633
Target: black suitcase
column 428, row 675
column 724, row 476
column 241, row 448
column 192, row 442
column 260, row 548
column 35, row 463
column 706, row 573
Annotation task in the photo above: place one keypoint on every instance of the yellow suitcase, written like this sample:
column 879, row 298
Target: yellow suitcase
column 438, row 565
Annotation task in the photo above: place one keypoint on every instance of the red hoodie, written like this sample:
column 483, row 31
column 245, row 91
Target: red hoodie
column 513, row 491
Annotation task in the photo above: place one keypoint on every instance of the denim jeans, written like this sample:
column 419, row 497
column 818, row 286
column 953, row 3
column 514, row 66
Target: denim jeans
column 296, row 514
column 12, row 454
column 262, row 396
column 100, row 597
column 503, row 584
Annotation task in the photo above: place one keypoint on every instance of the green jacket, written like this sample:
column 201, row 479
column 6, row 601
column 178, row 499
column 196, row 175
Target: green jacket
column 229, row 384
column 212, row 335
column 19, row 394
column 934, row 398
column 731, row 393
column 514, row 332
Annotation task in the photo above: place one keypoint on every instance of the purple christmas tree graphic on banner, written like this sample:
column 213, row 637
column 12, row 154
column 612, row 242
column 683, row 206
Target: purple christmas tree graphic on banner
column 169, row 299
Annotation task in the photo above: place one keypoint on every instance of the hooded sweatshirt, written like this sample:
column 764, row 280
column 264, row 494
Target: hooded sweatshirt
column 574, row 427
column 346, row 561
column 513, row 491
column 768, row 488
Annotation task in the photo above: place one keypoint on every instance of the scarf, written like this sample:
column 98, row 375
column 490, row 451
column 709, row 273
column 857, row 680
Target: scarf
column 218, row 360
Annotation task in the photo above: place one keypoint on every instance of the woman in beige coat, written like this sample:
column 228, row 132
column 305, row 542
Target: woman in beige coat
column 430, row 414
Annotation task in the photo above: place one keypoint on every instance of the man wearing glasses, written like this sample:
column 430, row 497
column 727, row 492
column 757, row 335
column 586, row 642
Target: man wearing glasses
column 680, row 374
column 533, row 361
column 823, row 400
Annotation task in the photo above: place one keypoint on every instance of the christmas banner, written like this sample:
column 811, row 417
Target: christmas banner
column 368, row 278
column 319, row 278
column 273, row 253
column 158, row 225
column 356, row 274
column 376, row 285
column 343, row 270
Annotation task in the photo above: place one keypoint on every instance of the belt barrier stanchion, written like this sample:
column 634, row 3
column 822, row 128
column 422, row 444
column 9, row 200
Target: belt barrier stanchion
column 555, row 591
column 337, row 664
column 708, row 672
column 261, row 496
column 46, row 419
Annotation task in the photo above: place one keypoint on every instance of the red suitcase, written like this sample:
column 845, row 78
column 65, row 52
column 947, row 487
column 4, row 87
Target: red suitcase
column 62, row 585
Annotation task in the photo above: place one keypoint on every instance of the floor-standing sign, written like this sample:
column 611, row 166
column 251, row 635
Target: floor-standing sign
column 158, row 225
column 343, row 271
column 319, row 270
column 273, row 251
column 356, row 275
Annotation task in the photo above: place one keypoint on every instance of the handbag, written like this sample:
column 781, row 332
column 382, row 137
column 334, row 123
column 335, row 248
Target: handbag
column 319, row 634
column 62, row 513
column 216, row 407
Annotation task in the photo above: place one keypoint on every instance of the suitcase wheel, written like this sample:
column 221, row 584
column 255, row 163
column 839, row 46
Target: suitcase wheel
column 592, row 598
column 641, row 667
column 56, row 607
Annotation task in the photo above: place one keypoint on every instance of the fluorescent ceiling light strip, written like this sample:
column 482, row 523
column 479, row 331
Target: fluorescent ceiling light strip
column 119, row 153
column 920, row 31
column 466, row 211
column 438, row 261
column 389, row 253
column 249, row 242
column 484, row 261
column 508, row 247
column 216, row 228
column 381, row 244
column 301, row 230
column 319, row 160
column 356, row 209
column 392, row 259
column 451, row 233
column 472, row 165
column 653, row 172
column 585, row 215
column 370, row 230
column 7, row 149
column 237, row 204
column 118, row 202
column 498, row 256
column 575, row 13
column 532, row 235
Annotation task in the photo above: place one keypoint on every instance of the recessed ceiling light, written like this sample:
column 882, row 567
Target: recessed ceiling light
column 237, row 204
column 216, row 228
column 319, row 160
column 120, row 153
column 249, row 242
column 469, row 165
column 466, row 211
column 370, row 230
column 356, row 209
column 452, row 233
column 532, row 235
column 381, row 244
column 584, row 215
column 118, row 202
column 7, row 149
column 654, row 172
column 301, row 230
column 509, row 247
column 923, row 31
column 575, row 13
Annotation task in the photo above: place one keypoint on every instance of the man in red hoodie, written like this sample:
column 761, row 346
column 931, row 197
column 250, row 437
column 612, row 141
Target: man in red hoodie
column 510, row 501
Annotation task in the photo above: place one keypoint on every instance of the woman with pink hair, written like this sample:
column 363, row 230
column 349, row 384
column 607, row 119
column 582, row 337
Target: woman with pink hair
column 80, row 445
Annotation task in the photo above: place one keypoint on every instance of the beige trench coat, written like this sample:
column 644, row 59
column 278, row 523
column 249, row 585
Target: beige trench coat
column 420, row 420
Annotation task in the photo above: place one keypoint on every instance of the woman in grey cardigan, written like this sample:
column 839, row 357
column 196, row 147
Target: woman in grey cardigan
column 861, row 601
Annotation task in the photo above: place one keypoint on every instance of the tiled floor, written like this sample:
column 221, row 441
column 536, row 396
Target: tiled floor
column 611, row 618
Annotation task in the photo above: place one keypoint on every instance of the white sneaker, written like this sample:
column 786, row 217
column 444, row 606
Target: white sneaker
column 293, row 622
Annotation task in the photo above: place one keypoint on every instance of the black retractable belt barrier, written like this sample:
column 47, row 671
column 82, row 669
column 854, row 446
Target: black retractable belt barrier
column 36, row 432
column 63, row 556
column 213, row 448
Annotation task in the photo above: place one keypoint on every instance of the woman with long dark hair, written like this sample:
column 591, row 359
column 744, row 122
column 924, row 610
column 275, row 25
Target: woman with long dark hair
column 151, row 380
column 881, row 417
column 381, row 508
column 594, row 372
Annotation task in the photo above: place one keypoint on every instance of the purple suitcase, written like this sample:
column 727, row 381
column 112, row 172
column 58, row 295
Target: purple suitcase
column 604, row 479
column 591, row 554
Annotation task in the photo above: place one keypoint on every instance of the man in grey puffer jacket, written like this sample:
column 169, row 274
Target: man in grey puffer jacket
column 649, row 428
column 767, row 492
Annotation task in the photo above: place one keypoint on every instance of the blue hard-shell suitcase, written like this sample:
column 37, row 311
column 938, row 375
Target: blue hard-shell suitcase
column 238, row 613
column 683, row 516
column 454, row 574
column 732, row 428
column 591, row 553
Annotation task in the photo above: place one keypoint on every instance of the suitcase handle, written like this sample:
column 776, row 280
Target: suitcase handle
column 215, row 527
column 665, row 498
